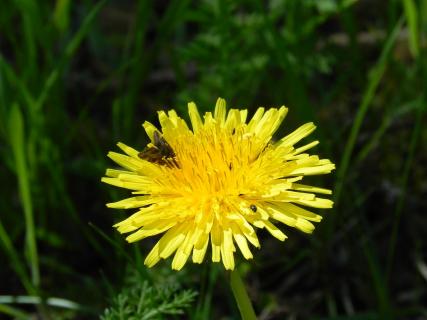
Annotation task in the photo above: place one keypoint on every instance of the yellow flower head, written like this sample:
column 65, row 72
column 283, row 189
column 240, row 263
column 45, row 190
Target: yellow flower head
column 216, row 183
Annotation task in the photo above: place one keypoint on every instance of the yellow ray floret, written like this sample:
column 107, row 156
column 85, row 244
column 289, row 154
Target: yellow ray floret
column 216, row 183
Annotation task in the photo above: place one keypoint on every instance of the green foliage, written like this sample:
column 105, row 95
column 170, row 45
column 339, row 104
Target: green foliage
column 78, row 76
column 140, row 301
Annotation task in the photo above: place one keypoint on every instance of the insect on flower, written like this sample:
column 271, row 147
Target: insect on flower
column 159, row 151
column 198, row 187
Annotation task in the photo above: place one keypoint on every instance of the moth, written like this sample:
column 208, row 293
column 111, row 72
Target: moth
column 160, row 152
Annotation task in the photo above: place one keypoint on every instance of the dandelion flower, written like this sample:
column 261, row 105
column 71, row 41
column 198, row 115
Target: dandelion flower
column 216, row 183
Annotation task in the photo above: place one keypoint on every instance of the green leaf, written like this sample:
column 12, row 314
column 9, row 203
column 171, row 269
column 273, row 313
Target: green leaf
column 141, row 301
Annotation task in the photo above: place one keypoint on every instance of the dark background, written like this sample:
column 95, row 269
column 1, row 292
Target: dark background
column 78, row 76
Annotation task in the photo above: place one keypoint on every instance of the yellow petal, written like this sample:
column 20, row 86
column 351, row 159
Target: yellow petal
column 220, row 111
column 242, row 243
column 274, row 231
column 196, row 121
column 216, row 240
column 227, row 249
column 172, row 240
column 153, row 257
column 304, row 225
column 298, row 134
column 200, row 248
column 151, row 230
column 128, row 150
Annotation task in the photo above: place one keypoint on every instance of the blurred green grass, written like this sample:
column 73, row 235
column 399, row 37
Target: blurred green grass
column 76, row 77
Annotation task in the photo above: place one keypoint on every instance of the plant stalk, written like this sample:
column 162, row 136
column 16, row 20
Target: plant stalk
column 241, row 295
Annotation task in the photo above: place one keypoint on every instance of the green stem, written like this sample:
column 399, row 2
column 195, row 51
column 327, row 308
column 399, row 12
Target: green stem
column 241, row 295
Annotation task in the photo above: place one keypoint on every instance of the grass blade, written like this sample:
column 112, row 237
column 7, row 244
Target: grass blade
column 11, row 77
column 68, row 54
column 411, row 14
column 14, row 260
column 53, row 301
column 16, row 134
column 14, row 312
column 375, row 78
column 378, row 281
column 416, row 132
column 61, row 15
